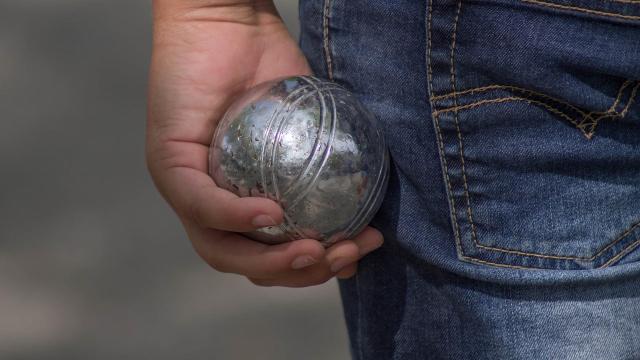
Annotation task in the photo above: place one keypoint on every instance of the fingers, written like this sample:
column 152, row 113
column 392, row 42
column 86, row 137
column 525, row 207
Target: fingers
column 195, row 196
column 368, row 240
column 213, row 207
column 212, row 215
column 342, row 254
column 311, row 276
column 229, row 252
column 345, row 253
column 179, row 170
column 348, row 271
column 340, row 260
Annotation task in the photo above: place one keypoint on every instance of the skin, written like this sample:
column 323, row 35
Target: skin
column 205, row 53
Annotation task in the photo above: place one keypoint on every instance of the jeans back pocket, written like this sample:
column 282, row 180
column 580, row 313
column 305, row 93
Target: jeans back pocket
column 534, row 106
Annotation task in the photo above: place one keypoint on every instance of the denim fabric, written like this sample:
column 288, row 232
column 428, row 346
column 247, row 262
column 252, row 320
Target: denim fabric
column 512, row 218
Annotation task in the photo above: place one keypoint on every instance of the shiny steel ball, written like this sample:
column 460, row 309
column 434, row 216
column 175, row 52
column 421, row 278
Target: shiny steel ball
column 309, row 145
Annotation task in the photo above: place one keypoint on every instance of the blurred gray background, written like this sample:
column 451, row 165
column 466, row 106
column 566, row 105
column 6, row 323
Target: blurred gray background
column 93, row 264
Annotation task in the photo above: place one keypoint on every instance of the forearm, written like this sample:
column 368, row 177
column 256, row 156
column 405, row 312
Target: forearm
column 250, row 12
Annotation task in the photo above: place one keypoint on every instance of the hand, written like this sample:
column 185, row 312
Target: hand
column 205, row 53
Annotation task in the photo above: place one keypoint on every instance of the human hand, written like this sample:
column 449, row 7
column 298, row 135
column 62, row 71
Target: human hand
column 205, row 53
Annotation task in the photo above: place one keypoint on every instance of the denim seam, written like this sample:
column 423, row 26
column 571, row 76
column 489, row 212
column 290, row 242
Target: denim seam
column 536, row 93
column 457, row 123
column 505, row 87
column 581, row 125
column 469, row 210
column 635, row 2
column 326, row 14
column 456, row 108
column 516, row 252
column 451, row 200
column 629, row 248
column 438, row 130
column 508, row 99
column 485, row 262
column 612, row 108
column 584, row 10
column 615, row 103
column 614, row 113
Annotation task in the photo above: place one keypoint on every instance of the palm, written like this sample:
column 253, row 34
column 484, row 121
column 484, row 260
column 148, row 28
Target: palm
column 205, row 73
column 199, row 66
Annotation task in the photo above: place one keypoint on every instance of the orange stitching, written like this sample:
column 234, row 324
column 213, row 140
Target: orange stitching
column 580, row 125
column 632, row 97
column 584, row 123
column 474, row 234
column 508, row 87
column 612, row 108
column 439, row 134
column 613, row 260
column 616, row 114
column 453, row 49
column 516, row 88
column 436, row 113
column 615, row 103
column 558, row 257
column 516, row 252
column 474, row 260
column 621, row 254
column 588, row 11
column 507, row 99
column 325, row 38
column 627, row 1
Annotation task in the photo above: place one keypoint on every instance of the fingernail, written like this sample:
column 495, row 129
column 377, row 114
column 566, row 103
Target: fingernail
column 263, row 221
column 339, row 264
column 302, row 262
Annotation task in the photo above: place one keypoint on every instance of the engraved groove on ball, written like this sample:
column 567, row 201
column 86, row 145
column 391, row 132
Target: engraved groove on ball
column 309, row 145
column 277, row 120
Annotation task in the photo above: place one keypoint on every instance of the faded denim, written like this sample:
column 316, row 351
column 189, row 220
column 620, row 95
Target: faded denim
column 512, row 219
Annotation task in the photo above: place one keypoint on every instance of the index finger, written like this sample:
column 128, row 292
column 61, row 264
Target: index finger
column 234, row 253
column 183, row 181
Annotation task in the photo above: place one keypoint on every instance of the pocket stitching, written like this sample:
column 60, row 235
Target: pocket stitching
column 436, row 121
column 436, row 113
column 613, row 113
column 469, row 209
column 581, row 125
column 580, row 9
column 629, row 248
column 521, row 89
column 457, row 123
column 326, row 13
column 635, row 2
column 509, row 99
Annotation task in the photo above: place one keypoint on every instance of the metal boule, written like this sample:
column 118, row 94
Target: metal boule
column 312, row 147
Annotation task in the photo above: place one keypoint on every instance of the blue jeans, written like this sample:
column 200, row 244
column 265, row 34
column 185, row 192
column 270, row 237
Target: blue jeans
column 512, row 219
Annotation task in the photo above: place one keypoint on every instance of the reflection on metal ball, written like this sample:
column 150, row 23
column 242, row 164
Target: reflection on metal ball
column 312, row 147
